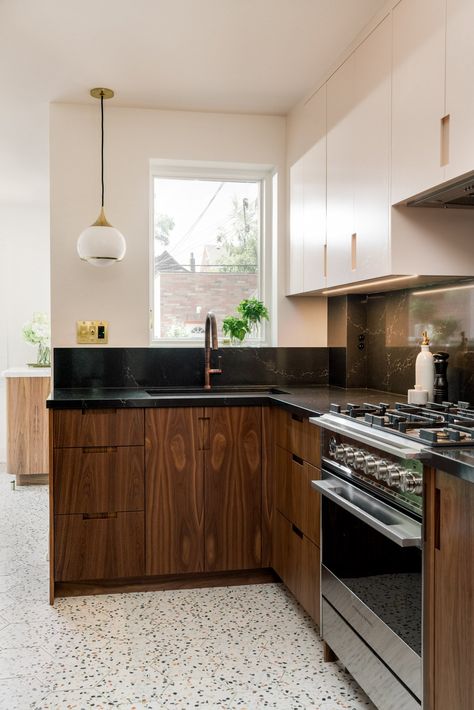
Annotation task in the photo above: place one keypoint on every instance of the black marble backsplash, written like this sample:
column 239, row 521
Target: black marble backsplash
column 183, row 367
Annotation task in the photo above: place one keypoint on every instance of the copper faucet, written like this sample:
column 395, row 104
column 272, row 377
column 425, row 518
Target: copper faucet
column 211, row 332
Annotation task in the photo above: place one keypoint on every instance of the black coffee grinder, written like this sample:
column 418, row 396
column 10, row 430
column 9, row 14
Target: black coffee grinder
column 441, row 379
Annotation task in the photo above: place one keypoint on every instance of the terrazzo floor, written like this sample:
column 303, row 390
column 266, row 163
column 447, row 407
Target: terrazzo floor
column 236, row 647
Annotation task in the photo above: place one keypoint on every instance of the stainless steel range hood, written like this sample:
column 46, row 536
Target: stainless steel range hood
column 457, row 193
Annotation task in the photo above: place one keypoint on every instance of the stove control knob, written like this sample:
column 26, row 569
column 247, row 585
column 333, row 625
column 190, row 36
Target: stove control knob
column 349, row 455
column 381, row 473
column 370, row 464
column 394, row 476
column 411, row 483
column 339, row 452
column 359, row 459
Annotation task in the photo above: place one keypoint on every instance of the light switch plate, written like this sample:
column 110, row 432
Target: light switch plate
column 92, row 332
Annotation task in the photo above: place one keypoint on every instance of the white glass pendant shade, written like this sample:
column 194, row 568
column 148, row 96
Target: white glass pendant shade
column 101, row 244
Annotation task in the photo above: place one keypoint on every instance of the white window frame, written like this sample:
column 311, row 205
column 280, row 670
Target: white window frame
column 239, row 172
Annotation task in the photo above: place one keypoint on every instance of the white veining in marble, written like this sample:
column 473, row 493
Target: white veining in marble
column 222, row 648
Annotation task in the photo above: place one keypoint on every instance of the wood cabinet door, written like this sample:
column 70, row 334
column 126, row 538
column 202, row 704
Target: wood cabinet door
column 454, row 595
column 174, row 490
column 27, row 425
column 418, row 101
column 459, row 98
column 233, row 489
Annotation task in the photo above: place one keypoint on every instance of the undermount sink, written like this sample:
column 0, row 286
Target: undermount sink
column 192, row 391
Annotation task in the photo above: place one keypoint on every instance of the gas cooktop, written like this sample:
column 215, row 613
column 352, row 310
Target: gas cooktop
column 433, row 424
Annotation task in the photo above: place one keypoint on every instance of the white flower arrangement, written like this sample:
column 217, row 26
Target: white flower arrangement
column 38, row 332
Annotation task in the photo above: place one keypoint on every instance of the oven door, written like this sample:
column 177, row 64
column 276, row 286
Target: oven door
column 371, row 574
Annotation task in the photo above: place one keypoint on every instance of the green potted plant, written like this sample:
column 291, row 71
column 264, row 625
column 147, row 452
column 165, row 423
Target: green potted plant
column 251, row 312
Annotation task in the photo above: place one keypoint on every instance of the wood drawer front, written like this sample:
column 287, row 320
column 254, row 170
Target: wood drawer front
column 99, row 479
column 99, row 548
column 295, row 498
column 297, row 561
column 99, row 427
column 305, row 440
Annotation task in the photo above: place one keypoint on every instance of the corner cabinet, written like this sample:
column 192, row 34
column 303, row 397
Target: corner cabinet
column 296, row 554
column 449, row 593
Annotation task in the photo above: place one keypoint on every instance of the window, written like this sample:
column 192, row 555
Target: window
column 207, row 249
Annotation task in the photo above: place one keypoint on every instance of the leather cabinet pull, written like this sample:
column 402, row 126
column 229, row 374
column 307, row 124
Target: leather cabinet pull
column 98, row 516
column 297, row 531
column 297, row 459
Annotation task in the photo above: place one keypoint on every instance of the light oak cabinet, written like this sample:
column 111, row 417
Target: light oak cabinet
column 308, row 209
column 449, row 593
column 27, row 428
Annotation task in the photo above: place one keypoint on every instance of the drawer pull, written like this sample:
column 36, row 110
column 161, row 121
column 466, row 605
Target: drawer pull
column 297, row 459
column 98, row 516
column 99, row 411
column 297, row 531
column 99, row 449
column 297, row 418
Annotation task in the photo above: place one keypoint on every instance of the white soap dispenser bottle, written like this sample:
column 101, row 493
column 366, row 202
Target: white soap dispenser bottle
column 424, row 367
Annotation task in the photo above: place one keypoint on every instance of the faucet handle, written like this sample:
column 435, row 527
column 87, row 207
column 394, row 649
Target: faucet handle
column 217, row 370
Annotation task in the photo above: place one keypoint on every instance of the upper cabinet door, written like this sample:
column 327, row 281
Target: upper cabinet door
column 459, row 90
column 418, row 96
column 314, row 195
column 296, row 256
column 371, row 117
column 341, row 173
column 308, row 208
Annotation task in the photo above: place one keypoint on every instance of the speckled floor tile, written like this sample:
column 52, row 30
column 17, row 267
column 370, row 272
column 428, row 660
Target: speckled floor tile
column 222, row 648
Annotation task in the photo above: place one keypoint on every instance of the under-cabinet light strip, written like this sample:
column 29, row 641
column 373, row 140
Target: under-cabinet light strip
column 369, row 283
column 442, row 290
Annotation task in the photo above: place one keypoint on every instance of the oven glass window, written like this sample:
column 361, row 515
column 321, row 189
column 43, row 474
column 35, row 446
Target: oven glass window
column 383, row 575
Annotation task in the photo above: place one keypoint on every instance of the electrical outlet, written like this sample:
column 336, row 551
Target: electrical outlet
column 92, row 332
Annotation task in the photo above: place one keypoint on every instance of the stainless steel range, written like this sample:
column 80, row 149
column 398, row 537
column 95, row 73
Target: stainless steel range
column 373, row 461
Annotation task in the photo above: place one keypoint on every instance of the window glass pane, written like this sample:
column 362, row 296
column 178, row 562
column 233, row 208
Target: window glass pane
column 207, row 235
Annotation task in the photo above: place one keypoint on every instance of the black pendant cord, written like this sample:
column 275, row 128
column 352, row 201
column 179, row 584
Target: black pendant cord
column 102, row 144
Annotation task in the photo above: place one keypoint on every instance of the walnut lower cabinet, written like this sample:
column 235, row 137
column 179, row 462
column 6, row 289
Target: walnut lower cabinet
column 203, row 489
column 296, row 553
column 449, row 593
column 97, row 510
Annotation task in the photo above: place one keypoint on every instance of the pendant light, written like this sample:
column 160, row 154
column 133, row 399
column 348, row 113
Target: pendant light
column 101, row 244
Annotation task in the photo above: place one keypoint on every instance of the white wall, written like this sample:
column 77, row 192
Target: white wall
column 24, row 233
column 120, row 294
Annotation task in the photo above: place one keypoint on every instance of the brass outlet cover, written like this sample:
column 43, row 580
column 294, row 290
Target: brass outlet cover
column 92, row 332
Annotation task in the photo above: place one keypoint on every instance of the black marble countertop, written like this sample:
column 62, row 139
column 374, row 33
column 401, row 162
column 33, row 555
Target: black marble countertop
column 303, row 400
column 308, row 401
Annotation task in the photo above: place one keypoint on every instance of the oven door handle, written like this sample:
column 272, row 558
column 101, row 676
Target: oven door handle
column 405, row 532
column 372, row 439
